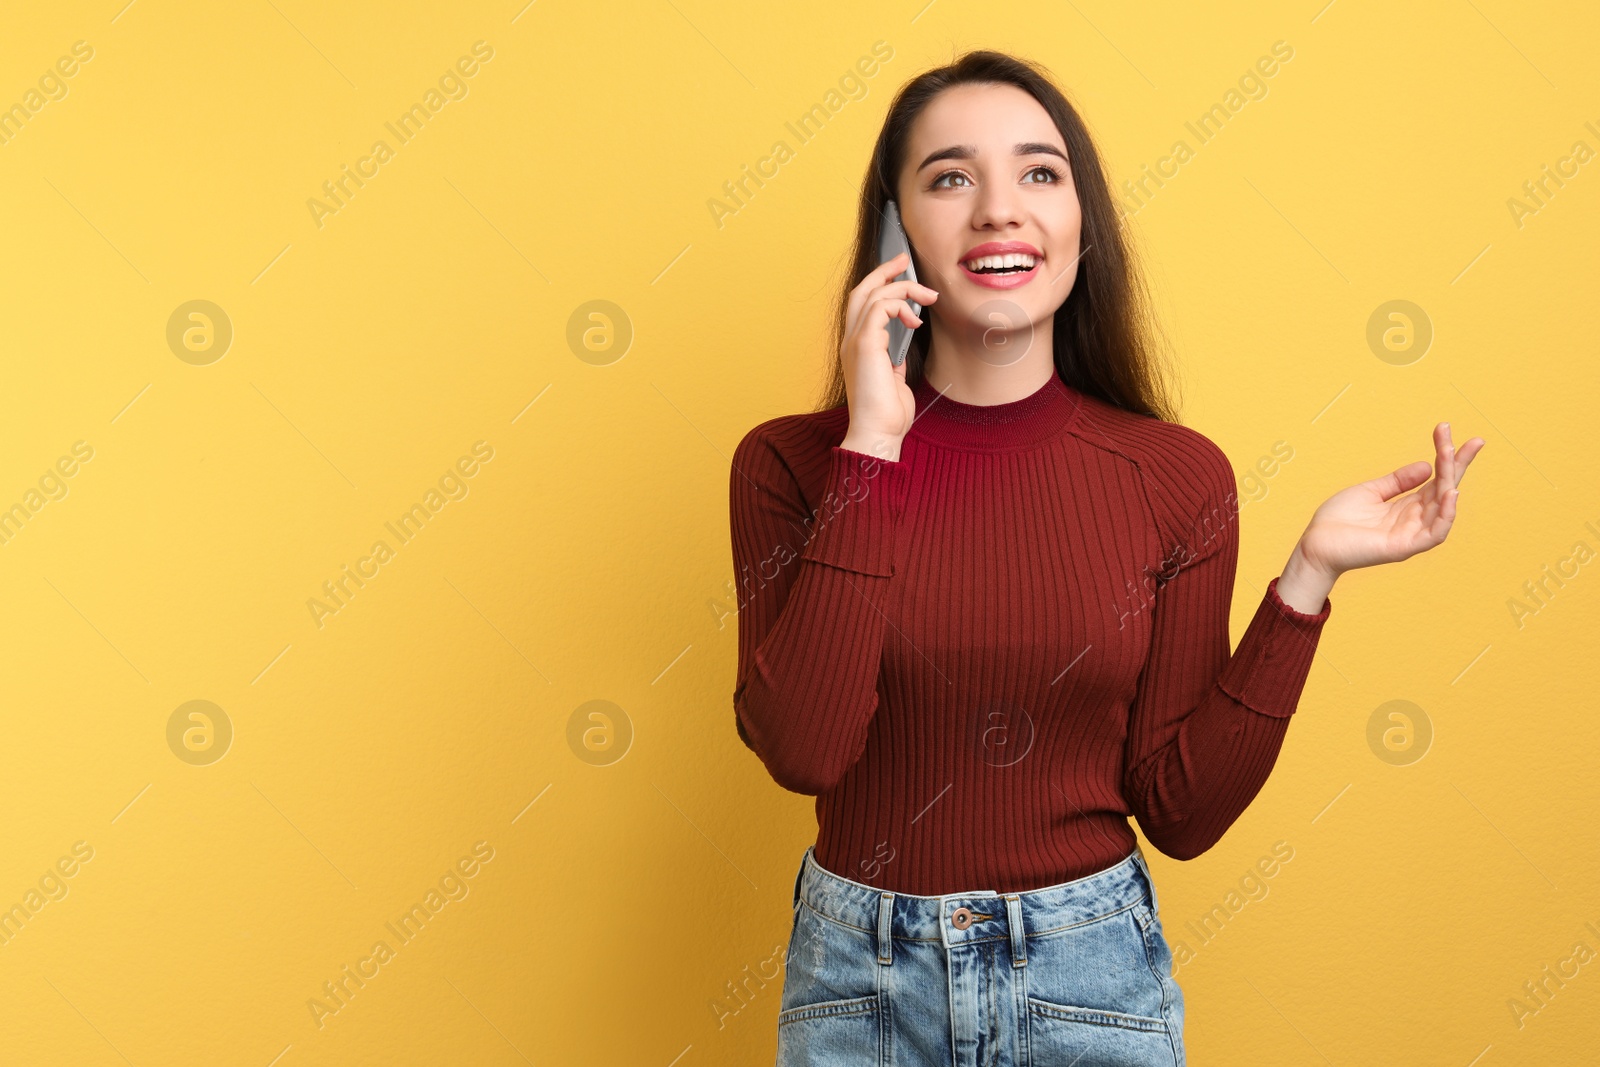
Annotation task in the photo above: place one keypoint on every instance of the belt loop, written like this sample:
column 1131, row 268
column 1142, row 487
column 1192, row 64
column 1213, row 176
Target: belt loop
column 1149, row 880
column 1019, row 936
column 886, row 928
column 1145, row 910
column 800, row 874
column 1143, row 870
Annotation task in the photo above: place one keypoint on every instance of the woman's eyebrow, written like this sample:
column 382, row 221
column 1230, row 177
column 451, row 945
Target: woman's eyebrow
column 967, row 151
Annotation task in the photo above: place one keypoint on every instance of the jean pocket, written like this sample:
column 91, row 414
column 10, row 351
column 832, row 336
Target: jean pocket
column 1069, row 1013
column 827, row 961
column 831, row 1032
column 830, row 1010
column 1091, row 996
column 1062, row 1034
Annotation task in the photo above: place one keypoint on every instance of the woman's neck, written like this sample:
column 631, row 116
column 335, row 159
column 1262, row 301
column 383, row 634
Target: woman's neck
column 976, row 382
column 990, row 366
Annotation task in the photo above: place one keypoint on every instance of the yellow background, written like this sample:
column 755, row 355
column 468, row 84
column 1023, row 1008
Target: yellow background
column 589, row 559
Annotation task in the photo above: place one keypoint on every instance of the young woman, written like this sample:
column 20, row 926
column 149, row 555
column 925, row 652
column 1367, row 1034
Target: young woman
column 984, row 601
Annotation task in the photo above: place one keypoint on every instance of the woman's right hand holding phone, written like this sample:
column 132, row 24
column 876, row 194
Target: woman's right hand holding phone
column 881, row 404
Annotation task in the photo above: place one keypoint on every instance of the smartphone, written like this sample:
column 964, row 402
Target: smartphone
column 892, row 240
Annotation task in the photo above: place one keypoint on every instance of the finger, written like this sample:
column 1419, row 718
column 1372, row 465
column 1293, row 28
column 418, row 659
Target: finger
column 1447, row 458
column 1441, row 456
column 880, row 311
column 1468, row 453
column 1401, row 479
column 875, row 321
column 875, row 277
column 904, row 287
column 909, row 289
column 1445, row 517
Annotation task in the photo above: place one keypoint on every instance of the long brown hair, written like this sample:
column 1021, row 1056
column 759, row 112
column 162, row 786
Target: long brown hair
column 1102, row 336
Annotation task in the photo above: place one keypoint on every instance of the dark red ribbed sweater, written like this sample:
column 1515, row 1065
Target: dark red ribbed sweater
column 983, row 657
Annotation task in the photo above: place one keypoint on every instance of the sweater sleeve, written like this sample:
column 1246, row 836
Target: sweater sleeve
column 1205, row 727
column 810, row 583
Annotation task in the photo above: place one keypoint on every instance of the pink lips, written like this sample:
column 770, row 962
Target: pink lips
column 1001, row 248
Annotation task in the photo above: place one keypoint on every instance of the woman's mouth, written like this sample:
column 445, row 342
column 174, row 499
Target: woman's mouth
column 1002, row 272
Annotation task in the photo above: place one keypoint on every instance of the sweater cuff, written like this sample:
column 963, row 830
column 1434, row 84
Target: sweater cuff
column 855, row 522
column 1269, row 669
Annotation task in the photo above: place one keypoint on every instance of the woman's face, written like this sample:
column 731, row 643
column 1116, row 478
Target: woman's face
column 986, row 173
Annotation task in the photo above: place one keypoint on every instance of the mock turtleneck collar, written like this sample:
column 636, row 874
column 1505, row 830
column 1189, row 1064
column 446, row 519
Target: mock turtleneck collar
column 994, row 427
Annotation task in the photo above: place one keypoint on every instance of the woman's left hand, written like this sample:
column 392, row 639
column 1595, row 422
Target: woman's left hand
column 1371, row 523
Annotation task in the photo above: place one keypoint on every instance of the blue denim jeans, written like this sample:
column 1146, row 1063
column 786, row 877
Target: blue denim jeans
column 1077, row 974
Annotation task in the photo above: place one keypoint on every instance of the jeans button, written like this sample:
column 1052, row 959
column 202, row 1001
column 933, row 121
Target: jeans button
column 962, row 918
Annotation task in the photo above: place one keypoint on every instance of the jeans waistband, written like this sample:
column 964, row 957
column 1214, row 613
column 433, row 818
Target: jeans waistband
column 985, row 915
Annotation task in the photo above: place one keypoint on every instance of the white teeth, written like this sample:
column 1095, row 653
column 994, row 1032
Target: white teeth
column 1015, row 259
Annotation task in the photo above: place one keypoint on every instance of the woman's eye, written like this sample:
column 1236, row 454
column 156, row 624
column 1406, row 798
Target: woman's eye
column 1054, row 176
